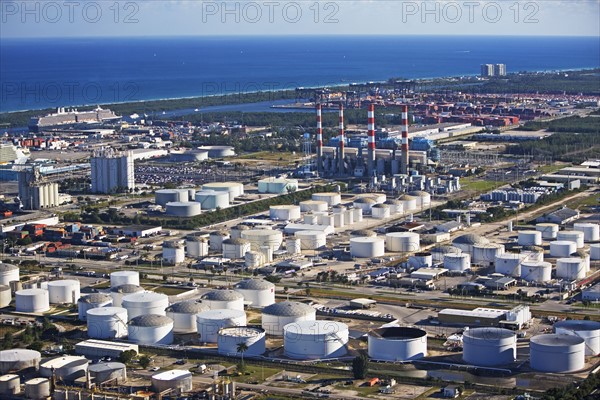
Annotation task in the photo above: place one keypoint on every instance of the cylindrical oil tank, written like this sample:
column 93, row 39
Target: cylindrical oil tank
column 253, row 259
column 587, row 330
column 328, row 219
column 150, row 329
column 19, row 359
column 37, row 388
column 313, row 205
column 314, row 340
column 165, row 196
column 196, row 246
column 145, row 303
column 293, row 245
column 536, row 271
column 230, row 338
column 457, row 262
column 402, row 242
column 397, row 344
column 311, row 240
column 508, row 264
column 595, row 251
column 63, row 291
column 257, row 292
column 66, row 368
column 571, row 268
column 117, row 293
column 173, row 252
column 184, row 314
column 267, row 252
column 439, row 252
column 396, row 206
column 591, row 231
column 263, row 237
column 562, row 248
column 284, row 213
column 339, row 220
column 119, row 278
column 548, row 230
column 210, row 322
column 357, row 215
column 409, row 203
column 183, row 209
column 212, row 200
column 420, row 260
column 530, row 238
column 365, row 204
column 223, row 299
column 10, row 385
column 234, row 189
column 467, row 241
column 5, row 296
column 278, row 315
column 380, row 211
column 107, row 323
column 311, row 219
column 557, row 353
column 93, row 300
column 216, row 240
column 236, row 231
column 572, row 236
column 235, row 248
column 367, row 247
column 332, row 199
column 177, row 380
column 349, row 217
column 533, row 254
column 489, row 346
column 423, row 198
column 103, row 372
column 32, row 300
column 485, row 254
column 8, row 273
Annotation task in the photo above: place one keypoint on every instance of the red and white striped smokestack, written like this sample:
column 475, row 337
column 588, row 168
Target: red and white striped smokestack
column 342, row 139
column 404, row 148
column 371, row 140
column 319, row 140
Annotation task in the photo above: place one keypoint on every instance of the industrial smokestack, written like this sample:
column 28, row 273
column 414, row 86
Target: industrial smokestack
column 371, row 140
column 319, row 140
column 404, row 155
column 342, row 139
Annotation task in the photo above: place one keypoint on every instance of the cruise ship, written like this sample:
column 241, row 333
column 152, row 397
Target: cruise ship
column 71, row 118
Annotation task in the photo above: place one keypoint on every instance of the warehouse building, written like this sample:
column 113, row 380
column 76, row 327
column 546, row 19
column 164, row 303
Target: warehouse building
column 93, row 348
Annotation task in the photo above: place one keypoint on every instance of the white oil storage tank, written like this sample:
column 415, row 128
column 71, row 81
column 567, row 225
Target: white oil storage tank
column 176, row 380
column 284, row 213
column 37, row 388
column 467, row 241
column 557, row 353
column 397, row 344
column 572, row 236
column 263, row 237
column 196, row 246
column 293, row 245
column 332, row 199
column 253, row 259
column 106, row 371
column 257, row 292
column 212, row 200
column 165, row 196
column 230, row 338
column 236, row 231
column 403, row 242
column 457, row 262
column 209, row 323
column 19, row 359
column 365, row 204
column 311, row 240
column 32, row 300
column 278, row 315
column 184, row 314
column 529, row 238
column 562, row 248
column 117, row 293
column 591, row 231
column 8, row 273
column 380, row 211
column 216, row 240
column 485, row 254
column 489, row 346
column 223, row 299
column 315, row 340
column 119, row 278
column 420, row 260
column 235, row 249
column 595, row 251
column 423, row 198
column 396, row 206
column 571, row 268
column 589, row 331
column 65, row 368
column 10, row 385
column 5, row 296
column 313, row 205
column 145, row 303
column 539, row 272
column 107, row 323
column 184, row 209
column 367, row 247
column 93, row 300
column 150, row 329
column 548, row 230
column 173, row 252
column 508, row 264
column 409, row 203
column 234, row 189
column 439, row 252
column 63, row 291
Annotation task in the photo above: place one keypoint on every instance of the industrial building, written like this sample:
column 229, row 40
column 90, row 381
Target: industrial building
column 96, row 349
column 36, row 191
column 112, row 171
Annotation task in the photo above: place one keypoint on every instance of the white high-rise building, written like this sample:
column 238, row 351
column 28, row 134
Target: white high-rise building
column 500, row 70
column 487, row 70
column 112, row 171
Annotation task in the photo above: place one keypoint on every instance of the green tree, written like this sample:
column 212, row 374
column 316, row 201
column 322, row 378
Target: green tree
column 127, row 356
column 8, row 341
column 145, row 361
column 360, row 366
column 242, row 348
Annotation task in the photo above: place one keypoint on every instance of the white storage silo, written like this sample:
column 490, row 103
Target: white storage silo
column 106, row 371
column 236, row 231
column 253, row 259
column 117, row 293
column 119, row 278
column 184, row 314
column 331, row 199
column 530, row 238
column 457, row 262
column 562, row 248
column 65, row 368
column 533, row 254
column 5, row 296
column 485, row 254
column 176, row 380
column 380, row 211
column 536, row 271
column 467, row 241
column 107, row 323
column 32, row 300
column 595, row 251
column 489, row 346
column 314, row 340
column 216, row 240
column 313, row 205
column 339, row 220
column 229, row 339
column 328, row 219
column 548, row 230
column 404, row 242
column 311, row 240
column 557, row 353
column 234, row 189
column 184, row 209
column 589, row 331
column 571, row 268
column 165, row 196
column 591, row 231
column 173, row 252
column 397, row 344
column 367, row 247
column 235, row 248
column 90, row 301
column 311, row 219
column 409, row 203
column 572, row 236
column 420, row 260
column 209, row 323
column 357, row 215
column 8, row 273
column 278, row 315
column 196, row 246
column 212, row 200
column 258, row 292
column 508, row 264
column 224, row 299
column 63, row 291
column 396, row 206
column 263, row 237
column 284, row 213
column 19, row 359
column 267, row 252
column 37, row 388
column 150, row 329
column 349, row 217
column 10, row 385
column 293, row 245
column 423, row 198
column 145, row 303
column 365, row 204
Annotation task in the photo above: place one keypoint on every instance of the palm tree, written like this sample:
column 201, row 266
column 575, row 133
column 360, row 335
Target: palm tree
column 241, row 348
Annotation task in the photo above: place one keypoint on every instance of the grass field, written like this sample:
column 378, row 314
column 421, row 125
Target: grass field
column 582, row 202
column 479, row 185
column 170, row 291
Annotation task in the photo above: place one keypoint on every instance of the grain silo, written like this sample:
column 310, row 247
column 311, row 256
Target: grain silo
column 558, row 353
column 209, row 323
column 143, row 303
column 63, row 291
column 117, row 293
column 367, row 247
column 176, row 380
column 230, row 338
column 223, row 299
column 150, row 329
column 184, row 314
column 107, row 323
column 257, row 292
column 277, row 315
column 397, row 344
column 93, row 300
column 489, row 346
column 313, row 340
column 32, row 300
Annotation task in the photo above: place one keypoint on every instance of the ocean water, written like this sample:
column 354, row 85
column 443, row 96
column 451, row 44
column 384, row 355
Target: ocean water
column 40, row 73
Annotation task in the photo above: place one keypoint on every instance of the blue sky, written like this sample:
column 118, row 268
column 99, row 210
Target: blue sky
column 77, row 18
